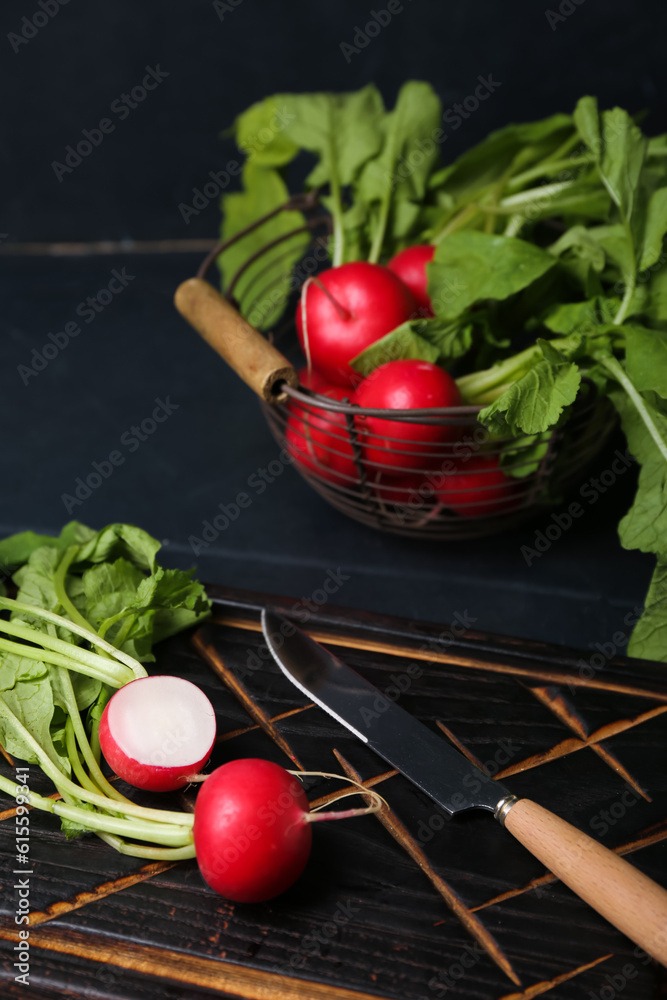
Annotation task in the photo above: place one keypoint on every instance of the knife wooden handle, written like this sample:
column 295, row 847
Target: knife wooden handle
column 243, row 347
column 621, row 893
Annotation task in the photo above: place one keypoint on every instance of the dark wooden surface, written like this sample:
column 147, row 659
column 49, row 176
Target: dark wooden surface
column 392, row 906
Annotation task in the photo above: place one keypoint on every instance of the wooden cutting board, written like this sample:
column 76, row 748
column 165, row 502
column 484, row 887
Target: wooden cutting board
column 407, row 904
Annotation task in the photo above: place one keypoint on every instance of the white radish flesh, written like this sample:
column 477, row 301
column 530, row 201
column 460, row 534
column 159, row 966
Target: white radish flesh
column 157, row 732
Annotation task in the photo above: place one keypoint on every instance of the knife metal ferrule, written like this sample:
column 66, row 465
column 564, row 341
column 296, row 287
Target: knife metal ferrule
column 503, row 807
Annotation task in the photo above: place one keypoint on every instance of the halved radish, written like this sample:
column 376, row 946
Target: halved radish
column 157, row 732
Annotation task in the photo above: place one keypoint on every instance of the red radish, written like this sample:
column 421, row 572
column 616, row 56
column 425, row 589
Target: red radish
column 411, row 489
column 317, row 383
column 314, row 381
column 360, row 303
column 405, row 385
column 252, row 838
column 318, row 439
column 480, row 488
column 157, row 732
column 410, row 266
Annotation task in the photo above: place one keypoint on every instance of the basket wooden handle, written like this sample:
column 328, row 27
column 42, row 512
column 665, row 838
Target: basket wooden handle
column 243, row 347
column 621, row 893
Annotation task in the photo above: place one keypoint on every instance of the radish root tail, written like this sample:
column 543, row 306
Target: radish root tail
column 304, row 323
column 317, row 815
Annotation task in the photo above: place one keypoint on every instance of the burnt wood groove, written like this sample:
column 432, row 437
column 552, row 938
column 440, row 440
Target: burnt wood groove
column 402, row 904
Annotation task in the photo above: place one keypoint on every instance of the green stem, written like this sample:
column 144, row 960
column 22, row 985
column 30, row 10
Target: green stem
column 512, row 183
column 490, row 222
column 153, row 853
column 615, row 368
column 385, row 204
column 85, row 633
column 514, row 224
column 151, row 832
column 449, row 214
column 123, row 631
column 75, row 760
column 171, row 820
column 100, row 782
column 484, row 398
column 337, row 204
column 102, row 665
column 631, row 282
column 61, row 591
column 477, row 383
column 95, row 728
column 535, row 194
column 48, row 656
column 548, row 167
column 566, row 147
column 627, row 299
column 458, row 222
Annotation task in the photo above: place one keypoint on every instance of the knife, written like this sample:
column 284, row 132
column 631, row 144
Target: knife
column 622, row 894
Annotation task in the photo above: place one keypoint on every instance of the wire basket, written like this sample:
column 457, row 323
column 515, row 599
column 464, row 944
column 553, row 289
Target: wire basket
column 442, row 484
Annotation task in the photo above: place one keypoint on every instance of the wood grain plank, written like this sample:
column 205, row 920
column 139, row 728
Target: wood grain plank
column 165, row 963
column 233, row 733
column 61, row 907
column 644, row 839
column 536, row 671
column 472, row 924
column 557, row 703
column 161, row 929
column 211, row 655
column 538, row 989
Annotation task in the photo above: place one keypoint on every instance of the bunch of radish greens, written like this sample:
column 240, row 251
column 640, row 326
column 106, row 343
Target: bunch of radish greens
column 89, row 607
column 545, row 263
column 74, row 694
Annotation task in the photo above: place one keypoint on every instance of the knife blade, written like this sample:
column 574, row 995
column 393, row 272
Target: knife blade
column 404, row 742
column 621, row 893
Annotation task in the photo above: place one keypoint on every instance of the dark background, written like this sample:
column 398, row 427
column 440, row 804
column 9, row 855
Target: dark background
column 76, row 411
